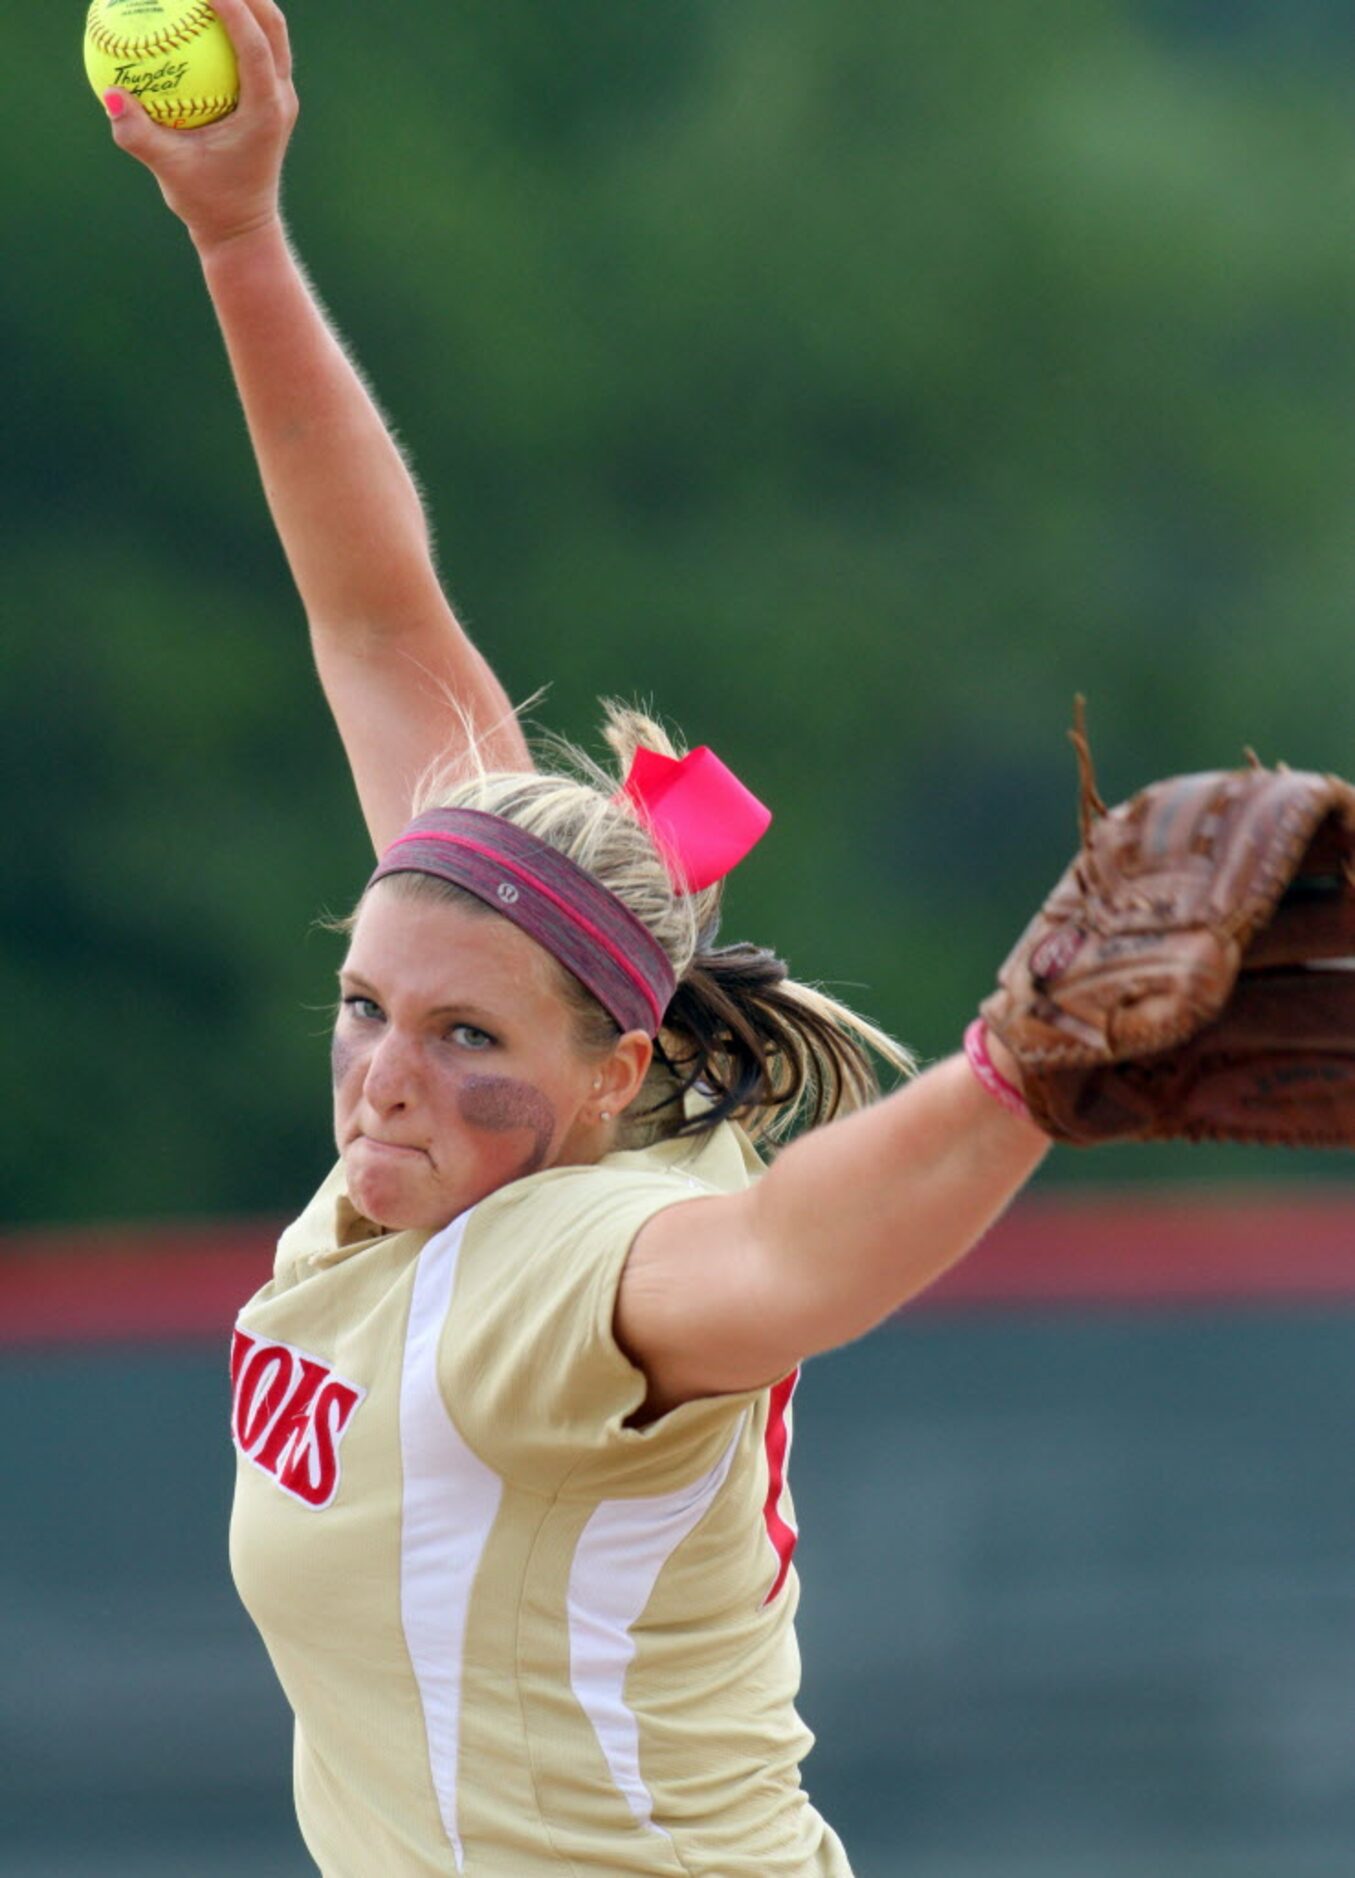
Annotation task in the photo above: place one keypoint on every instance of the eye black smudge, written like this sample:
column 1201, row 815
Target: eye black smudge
column 501, row 1105
column 341, row 1054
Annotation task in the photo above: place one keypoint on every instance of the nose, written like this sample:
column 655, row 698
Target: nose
column 391, row 1079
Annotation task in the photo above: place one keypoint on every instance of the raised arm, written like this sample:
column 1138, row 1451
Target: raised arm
column 850, row 1222
column 398, row 669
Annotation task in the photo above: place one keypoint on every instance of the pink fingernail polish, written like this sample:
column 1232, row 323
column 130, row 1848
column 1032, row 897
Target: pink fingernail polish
column 114, row 103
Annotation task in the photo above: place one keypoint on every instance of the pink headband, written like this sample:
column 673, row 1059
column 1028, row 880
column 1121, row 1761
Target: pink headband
column 564, row 909
column 702, row 820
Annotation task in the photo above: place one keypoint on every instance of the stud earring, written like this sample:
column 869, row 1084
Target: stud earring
column 605, row 1115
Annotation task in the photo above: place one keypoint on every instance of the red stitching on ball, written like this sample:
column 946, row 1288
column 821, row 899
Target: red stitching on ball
column 171, row 110
column 193, row 22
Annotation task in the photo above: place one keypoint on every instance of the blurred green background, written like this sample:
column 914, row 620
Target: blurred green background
column 856, row 379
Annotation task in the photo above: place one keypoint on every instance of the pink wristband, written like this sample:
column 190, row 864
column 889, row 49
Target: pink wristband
column 976, row 1054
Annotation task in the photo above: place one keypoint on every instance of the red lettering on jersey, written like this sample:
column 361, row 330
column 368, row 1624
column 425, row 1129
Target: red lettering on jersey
column 265, row 1380
column 777, row 1444
column 289, row 1424
column 312, row 1470
column 289, row 1412
column 241, row 1345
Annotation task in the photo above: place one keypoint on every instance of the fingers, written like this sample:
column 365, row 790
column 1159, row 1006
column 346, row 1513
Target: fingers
column 270, row 17
column 133, row 130
column 258, row 32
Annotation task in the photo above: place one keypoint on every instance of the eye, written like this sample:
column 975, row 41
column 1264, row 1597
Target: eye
column 366, row 1010
column 471, row 1037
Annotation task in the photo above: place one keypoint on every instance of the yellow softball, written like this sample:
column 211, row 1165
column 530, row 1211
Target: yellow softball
column 173, row 55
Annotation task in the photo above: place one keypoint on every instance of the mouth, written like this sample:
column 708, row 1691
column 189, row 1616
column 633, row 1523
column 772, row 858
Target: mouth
column 397, row 1150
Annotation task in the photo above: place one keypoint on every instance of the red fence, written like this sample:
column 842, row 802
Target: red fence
column 1135, row 1249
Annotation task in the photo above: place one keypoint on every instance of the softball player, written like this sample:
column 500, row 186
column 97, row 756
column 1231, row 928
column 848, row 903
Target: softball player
column 513, row 1413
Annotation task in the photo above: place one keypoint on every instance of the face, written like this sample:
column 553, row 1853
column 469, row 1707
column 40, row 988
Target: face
column 455, row 1064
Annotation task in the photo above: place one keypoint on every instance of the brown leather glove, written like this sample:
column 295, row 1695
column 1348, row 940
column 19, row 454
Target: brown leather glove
column 1193, row 973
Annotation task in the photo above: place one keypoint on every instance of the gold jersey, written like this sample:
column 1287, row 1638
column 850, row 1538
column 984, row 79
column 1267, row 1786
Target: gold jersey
column 520, row 1636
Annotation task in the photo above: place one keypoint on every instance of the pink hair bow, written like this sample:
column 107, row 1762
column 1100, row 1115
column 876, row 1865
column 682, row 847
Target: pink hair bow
column 703, row 819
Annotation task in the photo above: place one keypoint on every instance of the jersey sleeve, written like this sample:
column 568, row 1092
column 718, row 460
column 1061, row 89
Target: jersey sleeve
column 530, row 1367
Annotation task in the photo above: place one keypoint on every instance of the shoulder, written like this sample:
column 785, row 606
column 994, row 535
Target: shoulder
column 610, row 1198
column 529, row 1361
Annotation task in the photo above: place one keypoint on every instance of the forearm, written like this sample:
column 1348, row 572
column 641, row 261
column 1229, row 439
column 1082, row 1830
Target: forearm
column 344, row 502
column 852, row 1221
column 407, row 687
column 858, row 1218
column 405, row 683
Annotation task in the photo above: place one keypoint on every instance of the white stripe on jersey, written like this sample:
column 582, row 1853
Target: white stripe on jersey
column 451, row 1500
column 620, row 1553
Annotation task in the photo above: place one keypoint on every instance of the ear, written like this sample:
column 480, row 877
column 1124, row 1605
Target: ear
column 618, row 1081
